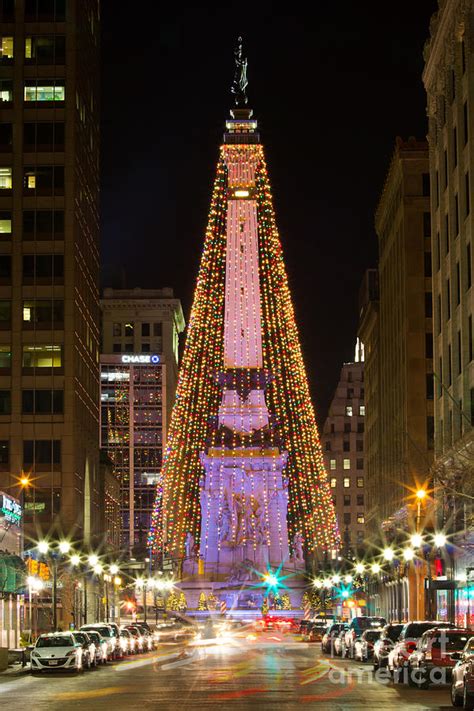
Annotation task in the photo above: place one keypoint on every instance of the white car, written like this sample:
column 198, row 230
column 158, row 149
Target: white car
column 106, row 632
column 90, row 651
column 57, row 650
column 101, row 647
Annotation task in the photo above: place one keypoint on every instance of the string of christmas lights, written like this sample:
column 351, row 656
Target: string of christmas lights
column 310, row 510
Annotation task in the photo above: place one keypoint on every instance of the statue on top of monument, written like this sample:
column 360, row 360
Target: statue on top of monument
column 189, row 545
column 240, row 83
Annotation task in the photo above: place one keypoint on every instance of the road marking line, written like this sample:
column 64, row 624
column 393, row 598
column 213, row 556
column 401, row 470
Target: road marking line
column 106, row 691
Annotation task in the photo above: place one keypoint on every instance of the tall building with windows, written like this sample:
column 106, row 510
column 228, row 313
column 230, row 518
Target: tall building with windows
column 343, row 446
column 396, row 329
column 449, row 81
column 49, row 261
column 139, row 365
column 448, row 77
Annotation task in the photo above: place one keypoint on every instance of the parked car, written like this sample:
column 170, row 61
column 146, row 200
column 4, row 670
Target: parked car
column 89, row 658
column 339, row 640
column 327, row 641
column 406, row 643
column 127, row 642
column 303, row 626
column 364, row 645
column 57, row 650
column 101, row 646
column 139, row 640
column 433, row 652
column 382, row 647
column 314, row 631
column 147, row 637
column 116, row 632
column 462, row 677
column 106, row 632
column 356, row 626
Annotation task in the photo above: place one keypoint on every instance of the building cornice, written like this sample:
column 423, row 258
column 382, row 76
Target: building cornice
column 447, row 26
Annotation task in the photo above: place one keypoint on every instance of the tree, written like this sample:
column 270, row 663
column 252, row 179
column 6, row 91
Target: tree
column 202, row 604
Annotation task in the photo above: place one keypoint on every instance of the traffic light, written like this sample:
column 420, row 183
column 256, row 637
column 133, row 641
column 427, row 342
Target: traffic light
column 32, row 566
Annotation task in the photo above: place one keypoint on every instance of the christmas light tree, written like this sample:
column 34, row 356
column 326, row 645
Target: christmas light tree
column 292, row 425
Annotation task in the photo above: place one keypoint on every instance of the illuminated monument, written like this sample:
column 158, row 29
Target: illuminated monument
column 245, row 491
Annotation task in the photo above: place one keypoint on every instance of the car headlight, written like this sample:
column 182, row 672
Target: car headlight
column 35, row 654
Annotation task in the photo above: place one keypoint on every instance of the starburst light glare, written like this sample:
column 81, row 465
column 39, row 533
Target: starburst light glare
column 98, row 569
column 327, row 584
column 440, row 540
column 388, row 554
column 75, row 559
column 336, row 579
column 317, row 583
column 93, row 560
column 348, row 579
column 43, row 547
column 375, row 568
column 408, row 554
column 359, row 568
column 114, row 569
column 64, row 547
column 421, row 494
column 416, row 540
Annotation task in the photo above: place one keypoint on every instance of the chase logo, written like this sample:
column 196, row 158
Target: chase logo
column 141, row 359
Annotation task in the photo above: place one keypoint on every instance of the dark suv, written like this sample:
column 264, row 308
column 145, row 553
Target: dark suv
column 385, row 643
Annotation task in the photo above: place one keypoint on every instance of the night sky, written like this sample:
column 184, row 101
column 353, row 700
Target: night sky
column 331, row 92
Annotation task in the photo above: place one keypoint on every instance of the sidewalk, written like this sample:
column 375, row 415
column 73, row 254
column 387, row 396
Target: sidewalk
column 14, row 671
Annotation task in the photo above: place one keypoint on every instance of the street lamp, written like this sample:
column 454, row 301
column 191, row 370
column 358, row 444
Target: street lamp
column 408, row 554
column 375, row 568
column 439, row 540
column 388, row 554
column 416, row 540
column 34, row 586
column 360, row 568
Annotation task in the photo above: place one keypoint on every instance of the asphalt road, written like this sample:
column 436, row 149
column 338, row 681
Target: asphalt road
column 268, row 672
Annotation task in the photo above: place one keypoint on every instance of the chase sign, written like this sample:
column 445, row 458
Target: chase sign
column 141, row 359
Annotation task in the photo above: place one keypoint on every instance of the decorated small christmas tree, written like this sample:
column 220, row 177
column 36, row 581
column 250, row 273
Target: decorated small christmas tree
column 182, row 604
column 202, row 604
column 211, row 601
column 265, row 606
column 286, row 603
column 172, row 603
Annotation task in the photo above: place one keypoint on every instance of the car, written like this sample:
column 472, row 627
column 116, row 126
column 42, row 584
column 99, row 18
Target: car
column 303, row 625
column 364, row 645
column 89, row 647
column 339, row 640
column 127, row 642
column 139, row 640
column 462, row 676
column 385, row 643
column 315, row 631
column 57, row 651
column 327, row 641
column 148, row 642
column 101, row 646
column 406, row 643
column 356, row 626
column 116, row 632
column 106, row 632
column 432, row 659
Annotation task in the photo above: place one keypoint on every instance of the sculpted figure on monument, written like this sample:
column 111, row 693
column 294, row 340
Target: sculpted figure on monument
column 189, row 545
column 298, row 547
column 224, row 521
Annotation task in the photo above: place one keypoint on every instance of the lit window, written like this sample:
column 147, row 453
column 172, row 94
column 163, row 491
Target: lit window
column 129, row 329
column 5, row 178
column 362, row 410
column 346, row 464
column 333, row 482
column 6, row 48
column 360, row 482
column 5, row 223
column 346, row 482
column 360, row 518
column 6, row 90
column 44, row 90
column 349, row 410
column 332, row 463
column 31, row 181
column 26, row 313
column 42, row 356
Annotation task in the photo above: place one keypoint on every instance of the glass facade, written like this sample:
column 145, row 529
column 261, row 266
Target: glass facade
column 132, row 435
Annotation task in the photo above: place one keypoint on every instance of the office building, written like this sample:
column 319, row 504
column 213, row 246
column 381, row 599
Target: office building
column 343, row 447
column 139, row 365
column 49, row 263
